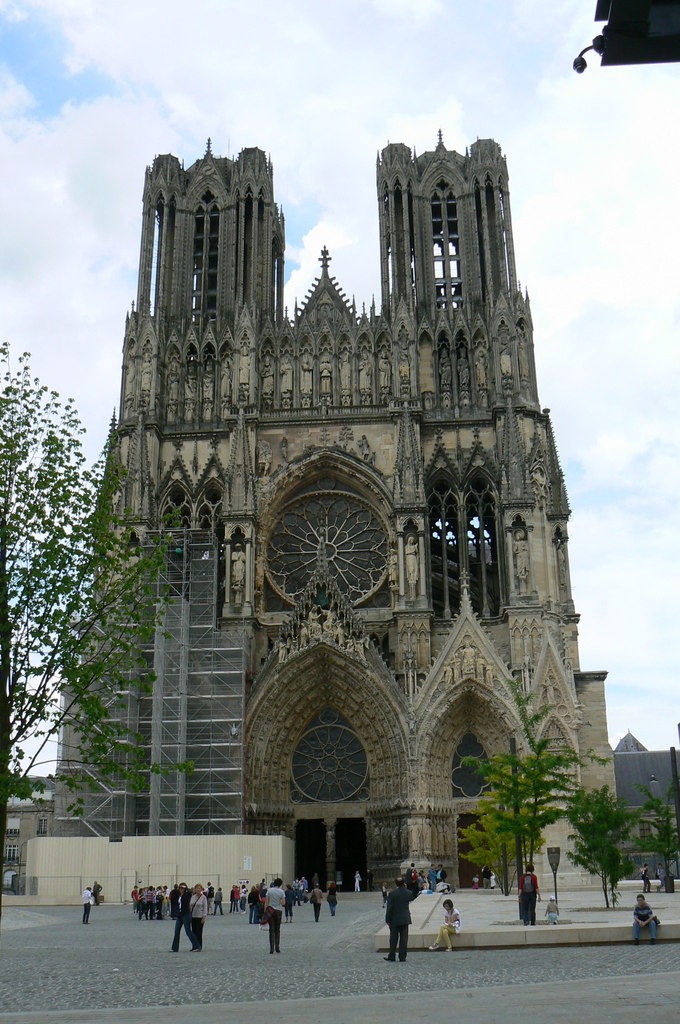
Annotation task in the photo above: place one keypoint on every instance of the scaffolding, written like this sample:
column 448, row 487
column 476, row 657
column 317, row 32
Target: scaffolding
column 193, row 714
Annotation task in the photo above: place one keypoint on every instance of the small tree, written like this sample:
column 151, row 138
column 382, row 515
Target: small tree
column 77, row 600
column 659, row 811
column 602, row 823
column 527, row 791
column 484, row 845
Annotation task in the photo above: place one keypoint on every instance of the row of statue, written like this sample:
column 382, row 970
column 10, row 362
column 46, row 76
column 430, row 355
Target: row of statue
column 198, row 391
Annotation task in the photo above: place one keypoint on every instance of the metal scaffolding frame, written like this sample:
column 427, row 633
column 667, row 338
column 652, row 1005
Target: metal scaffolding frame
column 194, row 713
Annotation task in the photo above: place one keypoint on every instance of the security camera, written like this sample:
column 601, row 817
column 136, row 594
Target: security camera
column 580, row 65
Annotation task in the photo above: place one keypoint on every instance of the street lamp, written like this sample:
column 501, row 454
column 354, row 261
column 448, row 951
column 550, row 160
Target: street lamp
column 554, row 862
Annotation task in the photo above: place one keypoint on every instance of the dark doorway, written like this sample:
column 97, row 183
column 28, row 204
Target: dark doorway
column 350, row 851
column 466, row 870
column 310, row 849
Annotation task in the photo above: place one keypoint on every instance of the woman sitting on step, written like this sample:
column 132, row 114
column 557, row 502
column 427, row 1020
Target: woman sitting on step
column 451, row 926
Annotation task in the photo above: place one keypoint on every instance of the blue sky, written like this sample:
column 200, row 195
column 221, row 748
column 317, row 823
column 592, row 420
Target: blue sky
column 90, row 92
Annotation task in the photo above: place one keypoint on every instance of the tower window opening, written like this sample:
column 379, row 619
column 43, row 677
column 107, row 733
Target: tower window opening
column 205, row 262
column 156, row 257
column 446, row 252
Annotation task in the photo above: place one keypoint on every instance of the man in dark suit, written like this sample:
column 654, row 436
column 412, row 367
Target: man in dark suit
column 398, row 917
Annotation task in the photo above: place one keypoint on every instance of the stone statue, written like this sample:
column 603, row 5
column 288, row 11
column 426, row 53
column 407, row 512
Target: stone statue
column 173, row 389
column 306, row 378
column 286, row 375
column 385, row 374
column 225, row 386
column 346, row 379
column 365, row 377
column 131, row 377
column 444, row 371
column 147, row 379
column 267, row 376
column 238, row 573
column 411, row 563
column 208, row 391
column 523, row 359
column 506, row 364
column 264, row 457
column 190, row 393
column 404, row 369
column 520, row 550
column 284, row 449
column 481, row 367
column 326, row 376
column 244, row 372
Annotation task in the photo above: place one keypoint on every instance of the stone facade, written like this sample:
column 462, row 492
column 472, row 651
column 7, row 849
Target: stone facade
column 383, row 489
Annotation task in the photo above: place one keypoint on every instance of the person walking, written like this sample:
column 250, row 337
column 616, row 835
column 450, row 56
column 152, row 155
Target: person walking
column 217, row 904
column 275, row 901
column 88, row 900
column 398, row 918
column 357, row 882
column 332, row 898
column 199, row 912
column 253, row 901
column 184, row 920
column 290, row 903
column 528, row 894
column 316, row 899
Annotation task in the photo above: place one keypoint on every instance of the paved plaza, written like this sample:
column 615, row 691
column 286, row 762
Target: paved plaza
column 54, row 969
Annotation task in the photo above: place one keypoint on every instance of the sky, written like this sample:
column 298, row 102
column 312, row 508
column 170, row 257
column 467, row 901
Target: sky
column 91, row 92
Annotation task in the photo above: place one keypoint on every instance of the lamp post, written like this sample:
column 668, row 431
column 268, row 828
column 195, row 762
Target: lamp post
column 554, row 862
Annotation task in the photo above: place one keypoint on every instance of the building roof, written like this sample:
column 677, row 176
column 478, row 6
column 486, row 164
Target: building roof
column 633, row 768
column 628, row 743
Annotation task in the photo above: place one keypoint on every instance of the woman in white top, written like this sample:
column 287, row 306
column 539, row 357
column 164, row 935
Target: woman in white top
column 451, row 926
column 199, row 912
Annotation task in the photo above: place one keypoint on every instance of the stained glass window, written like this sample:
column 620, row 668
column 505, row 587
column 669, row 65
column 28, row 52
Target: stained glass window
column 329, row 763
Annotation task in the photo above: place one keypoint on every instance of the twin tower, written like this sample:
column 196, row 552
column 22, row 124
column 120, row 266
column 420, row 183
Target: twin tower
column 370, row 518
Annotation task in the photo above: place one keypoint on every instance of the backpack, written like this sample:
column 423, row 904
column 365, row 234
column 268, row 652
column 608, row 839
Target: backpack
column 527, row 883
column 414, row 876
column 211, row 892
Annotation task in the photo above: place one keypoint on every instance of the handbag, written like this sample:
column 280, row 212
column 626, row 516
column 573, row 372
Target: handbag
column 267, row 915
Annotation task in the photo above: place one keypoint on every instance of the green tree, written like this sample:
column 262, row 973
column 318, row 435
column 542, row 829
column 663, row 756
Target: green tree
column 483, row 845
column 77, row 598
column 659, row 812
column 527, row 790
column 602, row 823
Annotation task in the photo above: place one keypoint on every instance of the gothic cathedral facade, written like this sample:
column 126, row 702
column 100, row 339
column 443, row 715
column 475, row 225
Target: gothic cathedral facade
column 370, row 512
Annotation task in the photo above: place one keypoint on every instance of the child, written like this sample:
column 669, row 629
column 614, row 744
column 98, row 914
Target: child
column 551, row 911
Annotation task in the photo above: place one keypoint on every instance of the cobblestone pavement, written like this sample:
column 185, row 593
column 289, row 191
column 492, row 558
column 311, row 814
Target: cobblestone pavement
column 51, row 962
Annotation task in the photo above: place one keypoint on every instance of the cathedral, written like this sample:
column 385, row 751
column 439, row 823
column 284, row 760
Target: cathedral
column 369, row 519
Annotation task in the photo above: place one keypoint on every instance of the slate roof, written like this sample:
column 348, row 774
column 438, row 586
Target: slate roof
column 633, row 768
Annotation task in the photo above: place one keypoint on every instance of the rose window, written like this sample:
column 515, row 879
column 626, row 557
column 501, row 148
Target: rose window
column 332, row 532
column 329, row 763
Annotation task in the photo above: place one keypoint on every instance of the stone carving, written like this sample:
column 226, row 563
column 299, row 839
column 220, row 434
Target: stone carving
column 366, row 454
column 365, row 377
column 264, row 458
column 306, row 378
column 130, row 380
column 520, row 550
column 385, row 375
column 173, row 389
column 345, row 379
column 404, row 367
column 326, row 378
column 463, row 377
column 208, row 390
column 238, row 573
column 267, row 385
column 147, row 378
column 286, row 375
column 225, row 386
column 411, row 565
column 244, row 372
column 523, row 359
column 284, row 450
column 445, row 378
column 190, row 392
